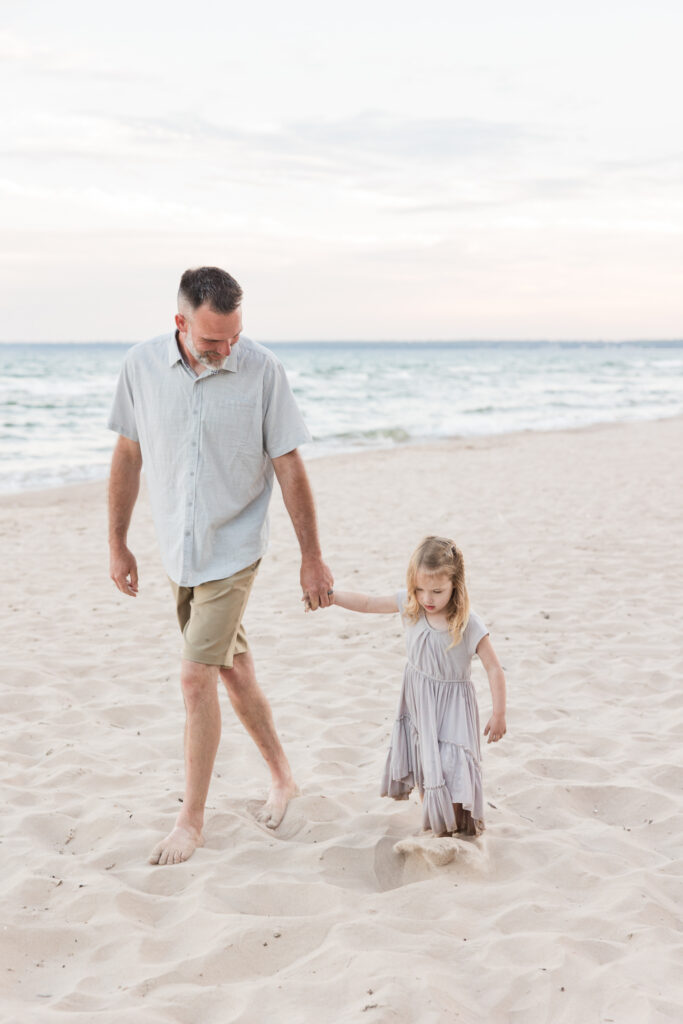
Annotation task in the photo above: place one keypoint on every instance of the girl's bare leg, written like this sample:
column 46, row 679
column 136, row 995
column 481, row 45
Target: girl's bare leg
column 464, row 822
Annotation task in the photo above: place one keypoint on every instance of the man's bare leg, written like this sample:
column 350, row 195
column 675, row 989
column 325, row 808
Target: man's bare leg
column 253, row 710
column 202, row 733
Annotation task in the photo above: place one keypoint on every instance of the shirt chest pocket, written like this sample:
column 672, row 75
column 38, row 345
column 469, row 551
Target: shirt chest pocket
column 231, row 424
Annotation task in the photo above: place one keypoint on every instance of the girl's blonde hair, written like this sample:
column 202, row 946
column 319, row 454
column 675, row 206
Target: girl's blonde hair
column 439, row 556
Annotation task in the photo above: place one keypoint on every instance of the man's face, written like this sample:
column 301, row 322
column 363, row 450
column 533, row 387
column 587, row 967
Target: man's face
column 207, row 336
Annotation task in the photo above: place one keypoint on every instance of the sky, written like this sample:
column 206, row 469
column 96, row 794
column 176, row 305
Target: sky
column 367, row 171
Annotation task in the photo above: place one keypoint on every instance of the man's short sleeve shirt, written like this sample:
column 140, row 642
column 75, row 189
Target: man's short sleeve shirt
column 207, row 442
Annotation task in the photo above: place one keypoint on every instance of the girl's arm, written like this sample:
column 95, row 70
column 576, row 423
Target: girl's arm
column 495, row 727
column 364, row 602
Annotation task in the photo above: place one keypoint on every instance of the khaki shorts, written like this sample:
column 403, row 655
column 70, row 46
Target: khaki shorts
column 210, row 617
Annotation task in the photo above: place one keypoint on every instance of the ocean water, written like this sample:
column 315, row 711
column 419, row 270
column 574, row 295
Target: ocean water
column 54, row 398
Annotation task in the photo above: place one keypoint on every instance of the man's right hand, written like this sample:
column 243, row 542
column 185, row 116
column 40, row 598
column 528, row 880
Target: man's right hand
column 123, row 569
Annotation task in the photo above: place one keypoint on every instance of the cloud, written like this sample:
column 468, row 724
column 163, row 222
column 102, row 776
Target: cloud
column 659, row 175
column 373, row 155
column 412, row 138
column 15, row 50
column 371, row 161
column 366, row 135
column 44, row 60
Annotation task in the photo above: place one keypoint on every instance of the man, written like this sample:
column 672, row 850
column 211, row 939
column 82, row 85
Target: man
column 211, row 417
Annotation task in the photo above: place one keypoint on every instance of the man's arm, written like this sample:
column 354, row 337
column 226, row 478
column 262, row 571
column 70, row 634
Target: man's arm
column 316, row 578
column 124, row 485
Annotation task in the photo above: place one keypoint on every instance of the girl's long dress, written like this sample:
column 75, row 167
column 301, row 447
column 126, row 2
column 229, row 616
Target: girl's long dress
column 435, row 741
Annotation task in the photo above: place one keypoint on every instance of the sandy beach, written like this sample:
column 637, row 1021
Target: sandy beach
column 566, row 910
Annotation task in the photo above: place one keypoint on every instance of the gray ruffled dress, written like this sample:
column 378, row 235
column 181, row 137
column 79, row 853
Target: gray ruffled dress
column 435, row 740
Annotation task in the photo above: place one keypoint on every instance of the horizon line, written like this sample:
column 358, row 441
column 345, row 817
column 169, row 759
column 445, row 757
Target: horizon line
column 377, row 341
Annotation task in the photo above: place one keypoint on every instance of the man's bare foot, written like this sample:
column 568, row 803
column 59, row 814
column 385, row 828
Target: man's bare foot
column 273, row 810
column 179, row 845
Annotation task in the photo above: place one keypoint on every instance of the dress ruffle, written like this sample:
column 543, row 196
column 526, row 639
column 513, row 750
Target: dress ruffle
column 452, row 775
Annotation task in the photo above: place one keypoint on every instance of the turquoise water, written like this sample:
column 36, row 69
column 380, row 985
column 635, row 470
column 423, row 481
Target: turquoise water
column 54, row 398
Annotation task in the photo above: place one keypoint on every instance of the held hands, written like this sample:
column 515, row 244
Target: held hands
column 307, row 601
column 317, row 584
column 123, row 569
column 495, row 728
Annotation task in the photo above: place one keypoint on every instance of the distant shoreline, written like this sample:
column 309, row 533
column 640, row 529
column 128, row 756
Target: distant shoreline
column 471, row 343
column 31, row 495
column 355, row 396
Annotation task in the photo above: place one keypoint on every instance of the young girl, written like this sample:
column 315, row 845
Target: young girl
column 435, row 740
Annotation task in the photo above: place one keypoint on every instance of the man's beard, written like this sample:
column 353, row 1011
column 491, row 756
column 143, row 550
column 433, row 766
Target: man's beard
column 205, row 358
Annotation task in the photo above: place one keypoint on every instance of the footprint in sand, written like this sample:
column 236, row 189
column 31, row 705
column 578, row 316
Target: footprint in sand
column 439, row 851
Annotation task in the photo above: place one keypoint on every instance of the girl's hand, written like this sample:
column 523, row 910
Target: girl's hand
column 308, row 607
column 495, row 728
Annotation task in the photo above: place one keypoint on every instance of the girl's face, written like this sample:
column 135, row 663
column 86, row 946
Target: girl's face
column 433, row 592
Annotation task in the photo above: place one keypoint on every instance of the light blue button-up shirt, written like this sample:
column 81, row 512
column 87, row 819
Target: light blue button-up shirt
column 207, row 442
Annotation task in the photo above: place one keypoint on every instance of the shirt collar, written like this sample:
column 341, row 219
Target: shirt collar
column 176, row 356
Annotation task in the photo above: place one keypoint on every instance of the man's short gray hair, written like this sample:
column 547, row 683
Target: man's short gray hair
column 211, row 286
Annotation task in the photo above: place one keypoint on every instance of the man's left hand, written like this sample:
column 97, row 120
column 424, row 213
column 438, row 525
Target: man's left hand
column 317, row 583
